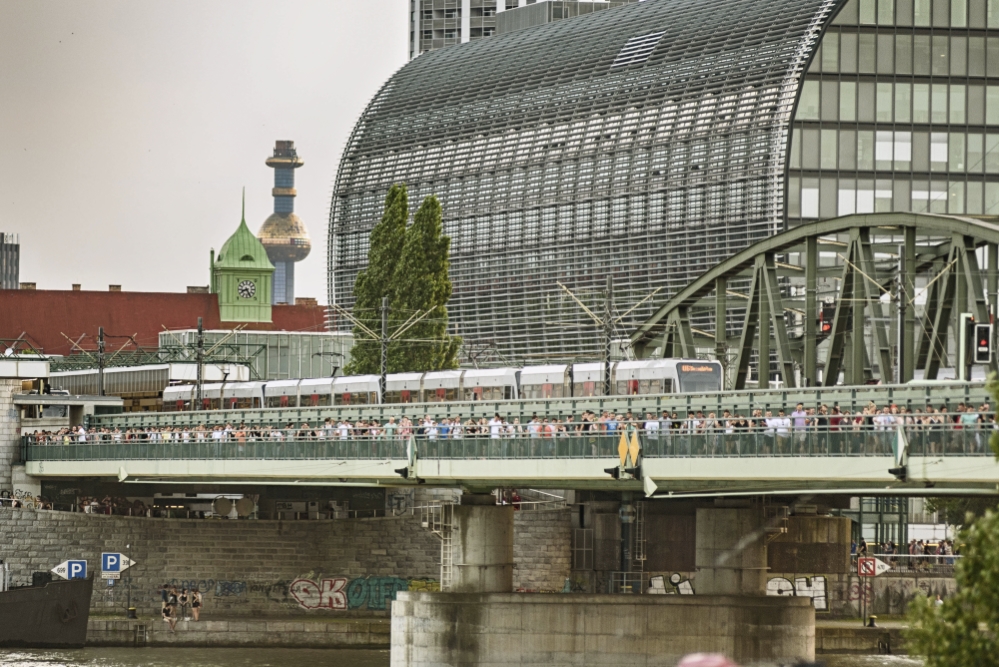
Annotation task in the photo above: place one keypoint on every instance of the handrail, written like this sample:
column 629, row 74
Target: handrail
column 941, row 439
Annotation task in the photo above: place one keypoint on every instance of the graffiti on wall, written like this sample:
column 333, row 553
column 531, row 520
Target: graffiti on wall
column 803, row 587
column 679, row 585
column 340, row 593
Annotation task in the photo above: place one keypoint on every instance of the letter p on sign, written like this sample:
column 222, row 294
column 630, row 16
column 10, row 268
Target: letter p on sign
column 110, row 562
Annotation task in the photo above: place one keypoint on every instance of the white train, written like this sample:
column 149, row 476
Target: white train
column 628, row 378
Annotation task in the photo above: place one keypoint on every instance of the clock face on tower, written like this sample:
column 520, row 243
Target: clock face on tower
column 246, row 289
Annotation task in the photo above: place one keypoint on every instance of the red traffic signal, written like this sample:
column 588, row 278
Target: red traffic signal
column 983, row 343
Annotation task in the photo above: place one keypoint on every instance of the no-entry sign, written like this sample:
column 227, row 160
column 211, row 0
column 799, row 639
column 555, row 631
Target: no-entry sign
column 871, row 567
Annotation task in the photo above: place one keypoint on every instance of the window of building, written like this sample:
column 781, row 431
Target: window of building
column 809, row 197
column 865, row 150
column 450, row 33
column 808, row 107
column 884, row 102
column 920, row 103
column 940, row 151
column 452, row 13
column 828, row 151
column 848, row 101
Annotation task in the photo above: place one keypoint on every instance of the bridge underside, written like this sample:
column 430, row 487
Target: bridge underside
column 927, row 475
column 855, row 299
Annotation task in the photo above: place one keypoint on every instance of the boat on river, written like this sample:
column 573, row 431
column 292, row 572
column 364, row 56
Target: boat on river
column 47, row 614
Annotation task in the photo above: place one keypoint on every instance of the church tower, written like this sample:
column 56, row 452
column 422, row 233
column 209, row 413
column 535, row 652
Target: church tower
column 283, row 233
column 242, row 277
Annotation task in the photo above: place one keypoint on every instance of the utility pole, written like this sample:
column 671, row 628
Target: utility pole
column 100, row 361
column 384, row 341
column 201, row 364
column 608, row 332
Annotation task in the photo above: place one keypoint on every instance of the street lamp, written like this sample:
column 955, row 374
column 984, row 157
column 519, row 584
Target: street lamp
column 131, row 610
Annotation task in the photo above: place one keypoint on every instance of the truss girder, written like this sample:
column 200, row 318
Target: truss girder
column 879, row 257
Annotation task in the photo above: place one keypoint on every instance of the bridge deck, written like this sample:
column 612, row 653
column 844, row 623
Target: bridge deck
column 945, row 458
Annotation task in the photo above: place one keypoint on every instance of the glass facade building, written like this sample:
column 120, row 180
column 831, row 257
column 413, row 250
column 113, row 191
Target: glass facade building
column 899, row 111
column 651, row 141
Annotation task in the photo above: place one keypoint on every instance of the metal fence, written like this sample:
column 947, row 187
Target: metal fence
column 922, row 441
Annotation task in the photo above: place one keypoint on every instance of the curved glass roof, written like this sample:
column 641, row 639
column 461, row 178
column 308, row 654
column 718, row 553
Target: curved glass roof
column 645, row 142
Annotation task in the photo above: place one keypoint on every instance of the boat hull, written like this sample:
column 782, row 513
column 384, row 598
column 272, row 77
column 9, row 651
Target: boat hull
column 50, row 616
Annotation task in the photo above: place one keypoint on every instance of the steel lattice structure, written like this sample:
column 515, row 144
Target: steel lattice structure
column 646, row 142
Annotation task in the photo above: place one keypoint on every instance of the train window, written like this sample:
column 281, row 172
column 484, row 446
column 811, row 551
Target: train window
column 699, row 377
column 407, row 396
column 180, row 406
column 284, row 401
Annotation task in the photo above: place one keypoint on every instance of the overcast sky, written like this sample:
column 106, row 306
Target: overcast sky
column 127, row 129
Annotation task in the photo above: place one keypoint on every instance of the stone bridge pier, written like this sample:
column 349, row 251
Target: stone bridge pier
column 481, row 622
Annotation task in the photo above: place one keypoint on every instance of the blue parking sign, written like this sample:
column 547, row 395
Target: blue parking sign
column 71, row 569
column 111, row 562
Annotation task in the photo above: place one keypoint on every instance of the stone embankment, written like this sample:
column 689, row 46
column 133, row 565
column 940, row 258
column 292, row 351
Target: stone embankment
column 341, row 568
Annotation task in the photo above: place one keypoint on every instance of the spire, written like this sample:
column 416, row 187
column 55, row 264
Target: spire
column 244, row 205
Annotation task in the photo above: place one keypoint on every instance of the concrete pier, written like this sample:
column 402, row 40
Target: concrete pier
column 730, row 551
column 482, row 550
column 434, row 629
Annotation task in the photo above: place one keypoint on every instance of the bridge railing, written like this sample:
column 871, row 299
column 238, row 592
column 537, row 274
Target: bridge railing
column 942, row 440
column 202, row 450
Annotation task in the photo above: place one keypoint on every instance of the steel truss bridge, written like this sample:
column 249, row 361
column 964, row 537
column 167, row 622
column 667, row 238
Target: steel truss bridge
column 874, row 269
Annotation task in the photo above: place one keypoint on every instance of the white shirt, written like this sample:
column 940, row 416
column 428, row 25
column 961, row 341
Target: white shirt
column 783, row 425
column 495, row 425
column 652, row 428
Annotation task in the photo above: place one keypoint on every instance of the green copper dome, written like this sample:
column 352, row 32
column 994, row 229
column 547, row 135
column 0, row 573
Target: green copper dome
column 243, row 250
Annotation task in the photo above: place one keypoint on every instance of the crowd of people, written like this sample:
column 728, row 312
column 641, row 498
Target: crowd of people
column 916, row 555
column 830, row 429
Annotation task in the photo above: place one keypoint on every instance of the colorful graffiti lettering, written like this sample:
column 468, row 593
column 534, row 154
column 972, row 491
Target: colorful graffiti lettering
column 360, row 593
column 803, row 587
column 326, row 594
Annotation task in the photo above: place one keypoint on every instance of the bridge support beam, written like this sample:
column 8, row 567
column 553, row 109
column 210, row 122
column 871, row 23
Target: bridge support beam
column 730, row 551
column 482, row 547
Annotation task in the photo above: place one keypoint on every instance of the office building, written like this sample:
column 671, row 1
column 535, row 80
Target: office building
column 651, row 141
column 438, row 23
column 10, row 261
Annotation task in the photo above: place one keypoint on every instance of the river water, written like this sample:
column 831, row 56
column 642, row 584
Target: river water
column 281, row 657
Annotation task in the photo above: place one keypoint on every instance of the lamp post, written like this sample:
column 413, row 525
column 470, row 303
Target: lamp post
column 131, row 610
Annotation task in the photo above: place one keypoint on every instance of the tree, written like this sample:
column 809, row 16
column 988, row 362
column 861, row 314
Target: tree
column 421, row 283
column 964, row 630
column 959, row 511
column 376, row 281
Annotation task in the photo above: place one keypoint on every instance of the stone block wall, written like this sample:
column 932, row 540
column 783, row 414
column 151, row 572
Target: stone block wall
column 542, row 549
column 267, row 568
column 243, row 568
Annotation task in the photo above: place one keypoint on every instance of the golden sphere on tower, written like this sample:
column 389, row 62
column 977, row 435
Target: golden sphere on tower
column 285, row 238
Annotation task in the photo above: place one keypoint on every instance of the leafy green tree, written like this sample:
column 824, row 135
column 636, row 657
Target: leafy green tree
column 964, row 630
column 377, row 280
column 961, row 511
column 421, row 283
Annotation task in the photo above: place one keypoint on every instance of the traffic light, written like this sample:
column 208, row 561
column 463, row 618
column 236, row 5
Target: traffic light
column 635, row 472
column 614, row 472
column 402, row 472
column 983, row 343
column 900, row 474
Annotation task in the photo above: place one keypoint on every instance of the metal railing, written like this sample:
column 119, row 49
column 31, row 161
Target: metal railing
column 937, row 440
column 311, row 449
column 942, row 563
